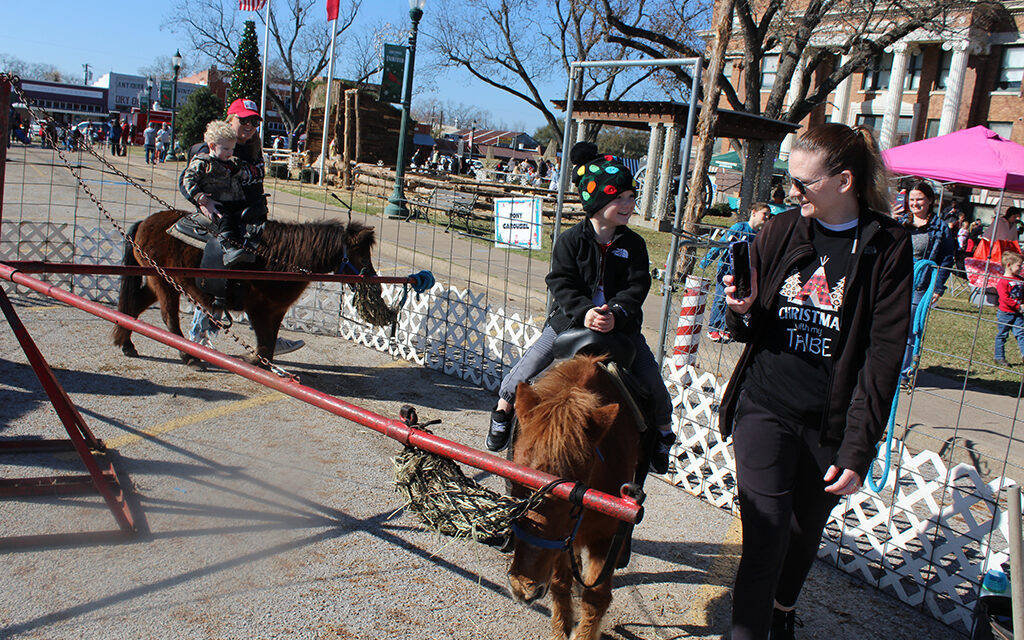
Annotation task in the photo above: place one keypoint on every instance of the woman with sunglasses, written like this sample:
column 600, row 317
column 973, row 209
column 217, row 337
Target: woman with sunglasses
column 824, row 325
column 931, row 239
column 244, row 118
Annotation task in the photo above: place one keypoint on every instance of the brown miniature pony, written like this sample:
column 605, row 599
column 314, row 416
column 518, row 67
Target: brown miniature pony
column 575, row 424
column 320, row 247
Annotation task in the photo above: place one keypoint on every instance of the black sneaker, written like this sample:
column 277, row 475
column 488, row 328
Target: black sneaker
column 784, row 624
column 660, row 458
column 500, row 431
column 1001, row 363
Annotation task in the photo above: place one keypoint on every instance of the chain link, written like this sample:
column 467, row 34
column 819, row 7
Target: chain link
column 15, row 83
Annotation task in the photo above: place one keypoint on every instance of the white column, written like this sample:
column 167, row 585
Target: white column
column 581, row 131
column 657, row 139
column 794, row 87
column 841, row 103
column 954, row 86
column 894, row 96
column 668, row 161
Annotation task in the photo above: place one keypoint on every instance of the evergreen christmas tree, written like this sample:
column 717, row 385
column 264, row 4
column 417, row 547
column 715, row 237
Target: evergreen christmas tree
column 200, row 108
column 247, row 74
column 791, row 287
column 837, row 293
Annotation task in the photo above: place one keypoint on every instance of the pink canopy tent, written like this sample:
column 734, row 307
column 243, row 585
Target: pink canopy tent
column 978, row 157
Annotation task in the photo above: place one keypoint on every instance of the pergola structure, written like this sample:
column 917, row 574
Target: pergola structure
column 666, row 121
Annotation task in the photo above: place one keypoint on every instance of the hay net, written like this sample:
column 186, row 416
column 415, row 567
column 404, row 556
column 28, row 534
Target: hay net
column 449, row 502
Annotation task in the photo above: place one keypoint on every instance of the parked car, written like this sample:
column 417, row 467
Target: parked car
column 35, row 130
column 95, row 131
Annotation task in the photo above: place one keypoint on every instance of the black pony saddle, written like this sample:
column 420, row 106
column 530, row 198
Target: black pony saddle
column 621, row 354
column 196, row 230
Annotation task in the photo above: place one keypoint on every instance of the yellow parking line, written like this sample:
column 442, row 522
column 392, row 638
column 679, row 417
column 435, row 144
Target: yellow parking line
column 718, row 579
column 43, row 307
column 177, row 423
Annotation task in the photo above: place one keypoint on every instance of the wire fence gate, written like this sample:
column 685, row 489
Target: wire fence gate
column 926, row 538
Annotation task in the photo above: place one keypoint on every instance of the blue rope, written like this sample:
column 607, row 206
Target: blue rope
column 921, row 268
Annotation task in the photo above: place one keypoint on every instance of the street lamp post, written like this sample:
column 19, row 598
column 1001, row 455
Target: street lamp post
column 176, row 61
column 396, row 203
column 149, row 98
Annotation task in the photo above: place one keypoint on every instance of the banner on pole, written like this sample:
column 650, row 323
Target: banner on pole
column 517, row 222
column 394, row 71
column 332, row 10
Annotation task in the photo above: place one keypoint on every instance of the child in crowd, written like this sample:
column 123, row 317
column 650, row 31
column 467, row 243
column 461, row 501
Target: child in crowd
column 214, row 178
column 1011, row 293
column 760, row 212
column 599, row 279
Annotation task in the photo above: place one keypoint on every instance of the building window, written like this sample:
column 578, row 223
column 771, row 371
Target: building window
column 931, row 128
column 1011, row 69
column 904, row 131
column 871, row 122
column 769, row 66
column 912, row 81
column 945, row 61
column 876, row 73
column 1002, row 128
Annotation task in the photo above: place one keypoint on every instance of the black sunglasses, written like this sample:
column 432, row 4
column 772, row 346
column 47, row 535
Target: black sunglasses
column 801, row 185
column 252, row 121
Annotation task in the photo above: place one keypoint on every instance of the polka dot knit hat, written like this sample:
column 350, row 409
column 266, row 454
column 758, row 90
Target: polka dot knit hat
column 599, row 178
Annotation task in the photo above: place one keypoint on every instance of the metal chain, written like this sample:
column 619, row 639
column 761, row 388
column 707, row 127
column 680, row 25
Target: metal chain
column 15, row 83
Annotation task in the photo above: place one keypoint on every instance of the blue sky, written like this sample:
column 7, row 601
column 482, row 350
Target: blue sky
column 119, row 36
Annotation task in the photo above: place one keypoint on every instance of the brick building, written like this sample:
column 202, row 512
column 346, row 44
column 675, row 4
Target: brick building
column 928, row 84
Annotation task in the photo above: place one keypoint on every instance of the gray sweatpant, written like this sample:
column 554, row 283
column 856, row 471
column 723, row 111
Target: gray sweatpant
column 539, row 357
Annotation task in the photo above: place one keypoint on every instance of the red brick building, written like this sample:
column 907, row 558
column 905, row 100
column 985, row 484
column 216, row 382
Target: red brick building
column 928, row 84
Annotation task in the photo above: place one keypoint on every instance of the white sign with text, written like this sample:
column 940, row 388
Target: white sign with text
column 517, row 222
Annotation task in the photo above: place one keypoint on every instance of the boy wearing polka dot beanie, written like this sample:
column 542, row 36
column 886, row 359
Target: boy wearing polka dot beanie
column 600, row 276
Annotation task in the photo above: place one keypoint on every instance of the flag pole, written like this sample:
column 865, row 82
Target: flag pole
column 263, row 87
column 327, row 101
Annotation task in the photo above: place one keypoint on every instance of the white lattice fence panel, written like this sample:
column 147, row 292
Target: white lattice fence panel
column 95, row 245
column 317, row 310
column 42, row 242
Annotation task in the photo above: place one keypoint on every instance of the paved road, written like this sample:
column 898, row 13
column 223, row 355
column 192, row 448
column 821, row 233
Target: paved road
column 264, row 518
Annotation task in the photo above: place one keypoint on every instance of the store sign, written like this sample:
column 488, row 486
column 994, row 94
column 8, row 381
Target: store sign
column 394, row 72
column 517, row 222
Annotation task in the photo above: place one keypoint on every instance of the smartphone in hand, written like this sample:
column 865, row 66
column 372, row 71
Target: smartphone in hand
column 739, row 255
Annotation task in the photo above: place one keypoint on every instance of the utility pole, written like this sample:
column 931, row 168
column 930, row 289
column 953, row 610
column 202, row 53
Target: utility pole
column 88, row 74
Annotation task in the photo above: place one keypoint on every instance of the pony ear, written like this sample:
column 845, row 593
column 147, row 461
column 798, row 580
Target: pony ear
column 526, row 398
column 602, row 420
column 364, row 238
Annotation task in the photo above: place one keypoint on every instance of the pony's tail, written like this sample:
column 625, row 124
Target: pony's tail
column 130, row 288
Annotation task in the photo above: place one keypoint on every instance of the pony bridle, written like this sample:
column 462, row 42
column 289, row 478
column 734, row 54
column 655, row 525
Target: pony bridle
column 622, row 532
column 346, row 266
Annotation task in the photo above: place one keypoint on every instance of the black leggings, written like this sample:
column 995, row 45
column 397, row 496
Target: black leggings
column 783, row 507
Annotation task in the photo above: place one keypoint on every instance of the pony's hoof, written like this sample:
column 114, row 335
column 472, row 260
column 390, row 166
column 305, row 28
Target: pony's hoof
column 195, row 364
column 129, row 350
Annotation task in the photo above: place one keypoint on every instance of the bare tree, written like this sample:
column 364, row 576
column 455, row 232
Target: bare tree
column 299, row 36
column 518, row 45
column 162, row 68
column 448, row 113
column 809, row 37
column 34, row 70
column 365, row 50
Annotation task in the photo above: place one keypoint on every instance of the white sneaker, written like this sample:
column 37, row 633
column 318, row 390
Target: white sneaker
column 284, row 345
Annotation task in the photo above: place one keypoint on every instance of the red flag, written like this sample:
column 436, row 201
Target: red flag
column 332, row 9
column 251, row 5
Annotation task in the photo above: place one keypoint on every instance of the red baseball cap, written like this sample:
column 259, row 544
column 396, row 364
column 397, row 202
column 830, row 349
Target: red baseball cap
column 243, row 108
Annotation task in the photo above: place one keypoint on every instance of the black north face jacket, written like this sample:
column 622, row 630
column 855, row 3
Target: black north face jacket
column 578, row 267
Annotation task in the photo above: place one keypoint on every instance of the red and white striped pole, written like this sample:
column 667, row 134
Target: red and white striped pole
column 688, row 331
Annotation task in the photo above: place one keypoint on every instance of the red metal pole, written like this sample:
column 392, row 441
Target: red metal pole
column 5, row 135
column 32, row 266
column 621, row 508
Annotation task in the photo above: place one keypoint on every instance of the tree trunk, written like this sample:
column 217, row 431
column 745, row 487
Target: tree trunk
column 705, row 134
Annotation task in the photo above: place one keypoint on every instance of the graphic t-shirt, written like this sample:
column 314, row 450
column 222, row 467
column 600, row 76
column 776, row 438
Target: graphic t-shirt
column 790, row 374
